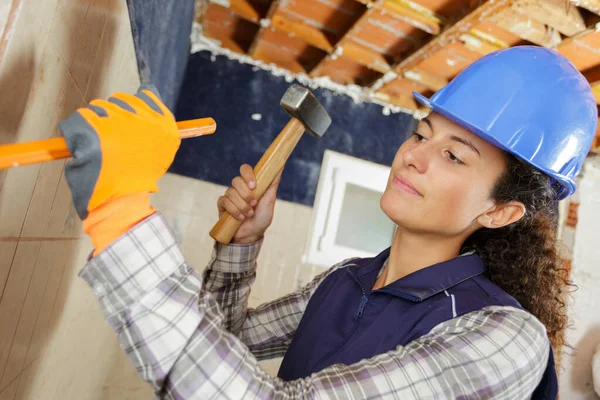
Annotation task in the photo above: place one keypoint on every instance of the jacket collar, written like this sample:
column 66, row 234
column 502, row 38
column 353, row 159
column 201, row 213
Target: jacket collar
column 422, row 284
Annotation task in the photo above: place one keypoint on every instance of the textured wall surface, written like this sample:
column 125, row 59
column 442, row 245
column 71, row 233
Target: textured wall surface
column 54, row 343
column 161, row 32
column 232, row 93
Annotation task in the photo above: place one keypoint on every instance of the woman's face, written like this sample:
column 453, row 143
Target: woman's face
column 441, row 179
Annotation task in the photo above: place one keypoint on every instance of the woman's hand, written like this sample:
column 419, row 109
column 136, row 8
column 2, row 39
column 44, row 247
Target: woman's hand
column 240, row 202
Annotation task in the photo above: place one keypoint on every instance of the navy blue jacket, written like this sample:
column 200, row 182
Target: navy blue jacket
column 345, row 321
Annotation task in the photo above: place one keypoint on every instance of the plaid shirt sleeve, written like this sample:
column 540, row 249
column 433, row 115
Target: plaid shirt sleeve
column 174, row 333
column 267, row 330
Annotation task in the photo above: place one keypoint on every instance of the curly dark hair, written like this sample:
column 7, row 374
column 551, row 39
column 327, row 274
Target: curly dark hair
column 522, row 258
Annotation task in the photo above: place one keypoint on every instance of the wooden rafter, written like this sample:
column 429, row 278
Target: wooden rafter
column 431, row 81
column 524, row 26
column 244, row 9
column 410, row 12
column 558, row 14
column 474, row 40
column 591, row 5
column 295, row 37
column 593, row 76
column 582, row 50
column 308, row 33
column 451, row 34
column 261, row 32
column 340, row 45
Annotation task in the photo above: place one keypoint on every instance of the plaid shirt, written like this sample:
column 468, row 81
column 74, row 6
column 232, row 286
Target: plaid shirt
column 191, row 336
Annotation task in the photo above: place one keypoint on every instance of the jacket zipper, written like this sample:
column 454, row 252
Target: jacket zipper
column 361, row 308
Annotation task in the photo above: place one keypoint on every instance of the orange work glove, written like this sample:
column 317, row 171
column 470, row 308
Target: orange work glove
column 120, row 148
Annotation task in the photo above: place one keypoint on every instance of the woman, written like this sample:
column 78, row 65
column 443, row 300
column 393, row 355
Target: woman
column 465, row 304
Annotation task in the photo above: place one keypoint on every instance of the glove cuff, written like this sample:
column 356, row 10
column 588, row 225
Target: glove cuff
column 109, row 221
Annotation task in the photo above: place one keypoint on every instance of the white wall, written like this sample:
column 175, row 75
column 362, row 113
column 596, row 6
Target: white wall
column 584, row 333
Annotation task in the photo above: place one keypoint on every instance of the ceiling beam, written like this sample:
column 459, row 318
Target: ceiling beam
column 593, row 77
column 342, row 42
column 405, row 10
column 263, row 27
column 308, row 33
column 242, row 8
column 413, row 14
column 590, row 5
column 451, row 34
column 480, row 43
column 524, row 27
column 559, row 14
column 427, row 79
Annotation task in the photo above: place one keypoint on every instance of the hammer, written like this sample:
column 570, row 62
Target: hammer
column 307, row 115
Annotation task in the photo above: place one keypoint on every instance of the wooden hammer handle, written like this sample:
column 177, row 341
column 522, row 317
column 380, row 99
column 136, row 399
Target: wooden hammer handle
column 265, row 172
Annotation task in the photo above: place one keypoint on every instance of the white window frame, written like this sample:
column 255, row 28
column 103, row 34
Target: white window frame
column 336, row 171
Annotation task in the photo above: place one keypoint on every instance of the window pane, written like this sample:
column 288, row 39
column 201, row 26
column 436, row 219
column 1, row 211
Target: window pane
column 363, row 225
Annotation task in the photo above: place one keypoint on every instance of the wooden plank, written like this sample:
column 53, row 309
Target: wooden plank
column 452, row 33
column 253, row 46
column 446, row 8
column 596, row 142
column 317, row 70
column 345, row 71
column 523, row 26
column 388, row 34
column 14, row 296
column 476, row 43
column 51, row 254
column 593, row 74
column 596, row 91
column 47, row 316
column 333, row 17
column 7, row 252
column 495, row 34
column 562, row 15
column 234, row 32
column 425, row 78
column 242, row 8
column 422, row 10
column 593, row 77
column 398, row 99
column 279, row 60
column 9, row 392
column 366, row 56
column 582, row 50
column 406, row 86
column 449, row 60
column 287, row 51
column 225, row 41
column 308, row 33
column 591, row 5
column 428, row 23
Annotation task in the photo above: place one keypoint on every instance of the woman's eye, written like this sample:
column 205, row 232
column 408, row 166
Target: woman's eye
column 453, row 158
column 418, row 137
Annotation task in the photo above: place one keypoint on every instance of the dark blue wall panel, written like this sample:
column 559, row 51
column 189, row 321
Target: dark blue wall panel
column 231, row 92
column 161, row 34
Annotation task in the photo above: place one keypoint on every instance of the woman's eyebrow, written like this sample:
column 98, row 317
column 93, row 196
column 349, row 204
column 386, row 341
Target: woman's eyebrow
column 466, row 143
column 455, row 138
column 428, row 122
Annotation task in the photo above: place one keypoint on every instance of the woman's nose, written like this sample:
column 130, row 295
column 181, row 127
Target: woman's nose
column 417, row 157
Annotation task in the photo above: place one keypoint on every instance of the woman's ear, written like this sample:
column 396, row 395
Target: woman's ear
column 501, row 215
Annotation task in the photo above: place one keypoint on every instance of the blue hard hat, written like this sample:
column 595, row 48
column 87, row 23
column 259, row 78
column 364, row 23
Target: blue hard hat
column 529, row 101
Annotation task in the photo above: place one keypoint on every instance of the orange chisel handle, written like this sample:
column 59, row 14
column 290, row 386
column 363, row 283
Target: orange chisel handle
column 14, row 155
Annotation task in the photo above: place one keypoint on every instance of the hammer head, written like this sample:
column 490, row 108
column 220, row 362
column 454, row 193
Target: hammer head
column 301, row 104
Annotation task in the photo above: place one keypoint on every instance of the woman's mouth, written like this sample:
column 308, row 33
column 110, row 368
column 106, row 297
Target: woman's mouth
column 406, row 186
